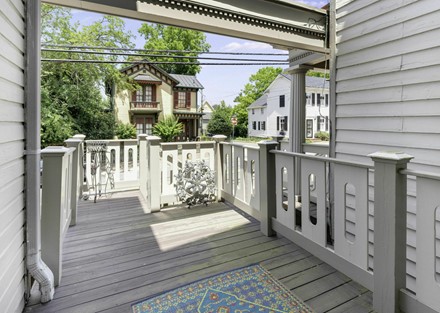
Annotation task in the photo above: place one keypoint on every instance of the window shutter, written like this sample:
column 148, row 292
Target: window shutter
column 176, row 99
column 153, row 93
column 278, row 123
column 188, row 99
column 285, row 123
column 318, row 123
column 326, row 123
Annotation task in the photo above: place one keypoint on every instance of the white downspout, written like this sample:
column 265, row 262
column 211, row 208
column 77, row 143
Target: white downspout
column 35, row 265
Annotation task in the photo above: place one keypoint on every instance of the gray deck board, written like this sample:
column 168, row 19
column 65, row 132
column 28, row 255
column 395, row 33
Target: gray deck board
column 117, row 255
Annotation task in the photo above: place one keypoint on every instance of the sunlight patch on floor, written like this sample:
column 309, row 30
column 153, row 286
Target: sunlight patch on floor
column 173, row 234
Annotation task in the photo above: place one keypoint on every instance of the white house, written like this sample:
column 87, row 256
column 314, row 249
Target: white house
column 206, row 109
column 269, row 115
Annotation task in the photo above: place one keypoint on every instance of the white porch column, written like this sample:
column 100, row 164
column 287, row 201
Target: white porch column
column 297, row 115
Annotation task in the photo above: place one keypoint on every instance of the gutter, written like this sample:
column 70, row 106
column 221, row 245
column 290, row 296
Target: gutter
column 35, row 265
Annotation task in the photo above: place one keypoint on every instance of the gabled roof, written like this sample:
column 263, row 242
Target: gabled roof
column 260, row 102
column 187, row 81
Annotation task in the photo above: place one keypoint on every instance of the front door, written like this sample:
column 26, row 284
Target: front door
column 144, row 124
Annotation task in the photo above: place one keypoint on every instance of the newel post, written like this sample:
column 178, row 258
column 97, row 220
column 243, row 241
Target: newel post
column 267, row 186
column 77, row 178
column 55, row 206
column 154, row 179
column 218, row 163
column 143, row 165
column 389, row 229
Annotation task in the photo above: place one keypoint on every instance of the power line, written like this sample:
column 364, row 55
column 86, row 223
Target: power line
column 159, row 56
column 151, row 62
column 160, row 51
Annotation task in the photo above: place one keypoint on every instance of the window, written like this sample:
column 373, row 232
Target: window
column 326, row 99
column 321, row 123
column 318, row 98
column 263, row 125
column 253, row 111
column 182, row 99
column 313, row 99
column 309, row 128
column 282, row 101
column 326, row 123
column 282, row 123
column 309, row 99
column 254, row 125
column 144, row 125
column 144, row 94
column 259, row 126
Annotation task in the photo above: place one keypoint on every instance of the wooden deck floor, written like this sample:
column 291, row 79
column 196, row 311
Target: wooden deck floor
column 117, row 255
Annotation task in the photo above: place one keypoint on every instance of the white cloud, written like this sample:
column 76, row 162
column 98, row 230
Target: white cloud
column 314, row 3
column 246, row 46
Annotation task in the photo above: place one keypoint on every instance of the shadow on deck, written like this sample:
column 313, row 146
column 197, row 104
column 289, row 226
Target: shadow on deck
column 117, row 255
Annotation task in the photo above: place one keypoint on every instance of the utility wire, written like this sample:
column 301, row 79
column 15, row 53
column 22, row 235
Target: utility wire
column 149, row 62
column 160, row 51
column 158, row 55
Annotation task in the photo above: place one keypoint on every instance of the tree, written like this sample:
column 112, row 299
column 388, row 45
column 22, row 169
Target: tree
column 253, row 90
column 220, row 123
column 258, row 83
column 318, row 74
column 168, row 128
column 72, row 99
column 161, row 37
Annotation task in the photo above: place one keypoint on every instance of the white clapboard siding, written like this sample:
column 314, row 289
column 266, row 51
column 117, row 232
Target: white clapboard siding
column 387, row 90
column 12, row 135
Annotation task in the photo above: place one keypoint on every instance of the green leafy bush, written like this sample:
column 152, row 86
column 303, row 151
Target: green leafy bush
column 168, row 128
column 125, row 131
column 324, row 136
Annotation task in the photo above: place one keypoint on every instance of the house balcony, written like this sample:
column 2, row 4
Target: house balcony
column 315, row 232
column 145, row 107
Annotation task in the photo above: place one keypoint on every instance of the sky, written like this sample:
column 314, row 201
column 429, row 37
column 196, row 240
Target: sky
column 220, row 82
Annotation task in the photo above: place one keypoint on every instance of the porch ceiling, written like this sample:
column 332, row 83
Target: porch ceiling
column 282, row 23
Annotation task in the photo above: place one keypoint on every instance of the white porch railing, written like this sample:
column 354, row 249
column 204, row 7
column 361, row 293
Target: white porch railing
column 160, row 162
column 262, row 180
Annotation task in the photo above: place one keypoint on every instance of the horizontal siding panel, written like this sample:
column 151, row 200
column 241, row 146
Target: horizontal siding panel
column 16, row 286
column 11, row 92
column 375, row 9
column 408, row 77
column 11, row 171
column 383, row 66
column 11, row 53
column 422, row 58
column 427, row 141
column 11, row 132
column 14, row 17
column 10, row 191
column 382, row 95
column 11, row 269
column 395, row 48
column 11, row 72
column 418, row 108
column 345, row 7
column 11, row 33
column 422, row 125
column 398, row 16
column 11, row 112
column 11, row 151
column 8, row 234
column 421, row 91
column 420, row 155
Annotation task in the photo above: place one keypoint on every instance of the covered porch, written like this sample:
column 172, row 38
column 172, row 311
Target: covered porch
column 117, row 255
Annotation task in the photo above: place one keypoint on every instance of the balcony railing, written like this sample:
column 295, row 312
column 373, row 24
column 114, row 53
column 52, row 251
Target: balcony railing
column 144, row 105
column 350, row 215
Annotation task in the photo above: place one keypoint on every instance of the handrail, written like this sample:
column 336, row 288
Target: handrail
column 244, row 145
column 419, row 174
column 144, row 104
column 325, row 159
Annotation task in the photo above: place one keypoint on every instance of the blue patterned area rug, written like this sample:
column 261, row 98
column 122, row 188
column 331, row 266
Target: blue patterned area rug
column 246, row 290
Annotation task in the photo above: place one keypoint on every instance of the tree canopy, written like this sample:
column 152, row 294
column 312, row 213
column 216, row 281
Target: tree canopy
column 72, row 93
column 162, row 37
column 220, row 123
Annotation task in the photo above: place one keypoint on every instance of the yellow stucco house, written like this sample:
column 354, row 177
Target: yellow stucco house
column 159, row 94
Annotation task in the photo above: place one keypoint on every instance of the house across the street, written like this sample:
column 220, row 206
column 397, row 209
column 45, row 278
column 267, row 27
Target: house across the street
column 159, row 94
column 269, row 115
